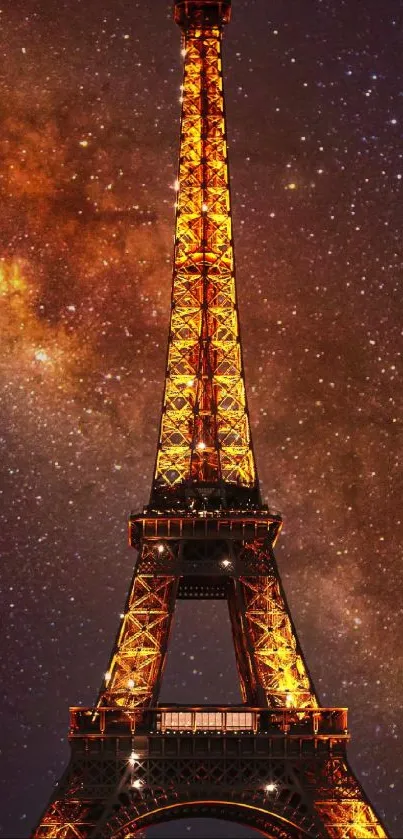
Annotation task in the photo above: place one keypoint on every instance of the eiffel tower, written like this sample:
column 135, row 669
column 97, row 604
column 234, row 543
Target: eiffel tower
column 276, row 762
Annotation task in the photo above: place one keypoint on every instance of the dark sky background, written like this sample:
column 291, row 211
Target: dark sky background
column 89, row 116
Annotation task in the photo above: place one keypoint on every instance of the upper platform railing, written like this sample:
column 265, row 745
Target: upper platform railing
column 204, row 525
column 202, row 12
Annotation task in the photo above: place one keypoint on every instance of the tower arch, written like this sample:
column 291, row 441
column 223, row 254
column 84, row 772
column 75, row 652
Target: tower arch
column 268, row 823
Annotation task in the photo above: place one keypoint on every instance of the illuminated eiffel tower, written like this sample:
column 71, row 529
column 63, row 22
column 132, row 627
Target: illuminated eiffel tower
column 278, row 761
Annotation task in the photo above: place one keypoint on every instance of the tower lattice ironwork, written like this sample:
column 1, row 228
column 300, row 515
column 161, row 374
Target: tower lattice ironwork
column 278, row 760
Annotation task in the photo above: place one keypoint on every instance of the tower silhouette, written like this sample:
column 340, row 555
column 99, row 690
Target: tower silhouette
column 278, row 760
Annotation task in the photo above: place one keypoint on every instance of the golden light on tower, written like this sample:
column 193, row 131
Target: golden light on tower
column 204, row 434
column 278, row 760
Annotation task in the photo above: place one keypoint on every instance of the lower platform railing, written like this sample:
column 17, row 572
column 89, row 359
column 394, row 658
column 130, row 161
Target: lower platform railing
column 294, row 722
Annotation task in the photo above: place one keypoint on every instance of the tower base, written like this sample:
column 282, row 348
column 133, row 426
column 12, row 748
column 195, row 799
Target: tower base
column 282, row 771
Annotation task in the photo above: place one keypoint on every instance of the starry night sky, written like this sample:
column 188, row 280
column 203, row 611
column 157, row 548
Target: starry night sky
column 89, row 116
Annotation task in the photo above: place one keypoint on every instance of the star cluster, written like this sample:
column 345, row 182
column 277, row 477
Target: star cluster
column 89, row 136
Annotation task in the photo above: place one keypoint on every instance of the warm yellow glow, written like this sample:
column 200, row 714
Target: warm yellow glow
column 350, row 818
column 204, row 348
column 137, row 657
column 11, row 280
column 31, row 343
column 280, row 665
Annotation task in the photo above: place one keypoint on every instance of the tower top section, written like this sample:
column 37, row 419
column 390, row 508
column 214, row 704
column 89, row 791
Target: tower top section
column 202, row 14
column 205, row 449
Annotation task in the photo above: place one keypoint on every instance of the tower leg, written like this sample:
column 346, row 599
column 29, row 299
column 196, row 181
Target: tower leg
column 135, row 671
column 252, row 689
column 343, row 806
column 68, row 815
column 267, row 643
